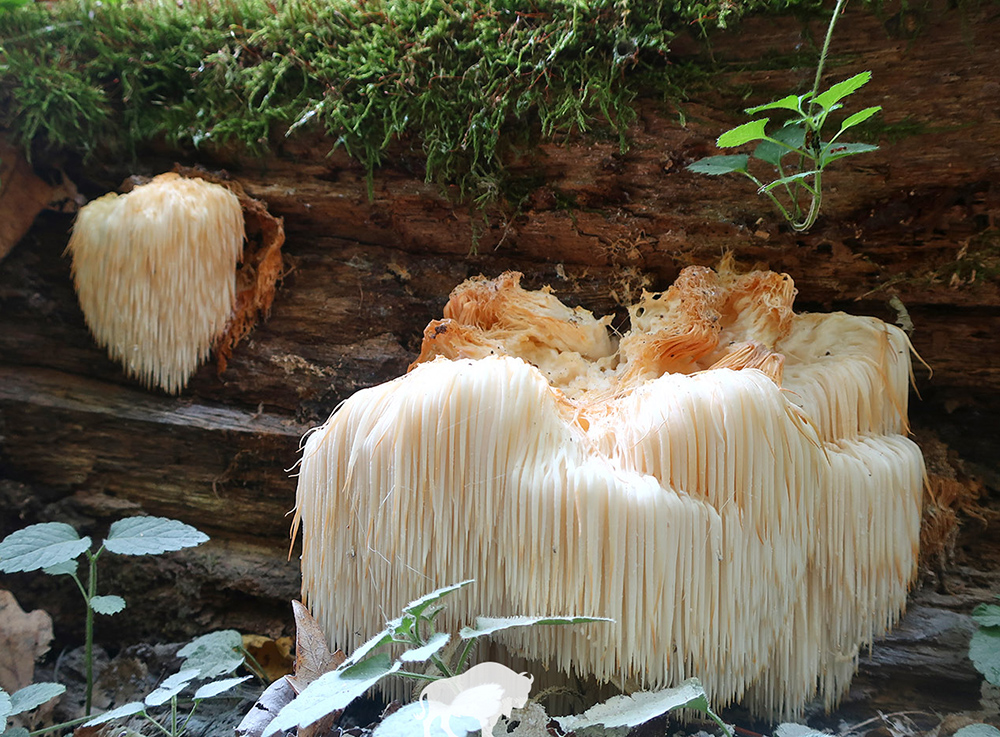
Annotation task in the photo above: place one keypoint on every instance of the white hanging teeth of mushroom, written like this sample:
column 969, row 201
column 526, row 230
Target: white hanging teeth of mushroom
column 155, row 273
column 730, row 484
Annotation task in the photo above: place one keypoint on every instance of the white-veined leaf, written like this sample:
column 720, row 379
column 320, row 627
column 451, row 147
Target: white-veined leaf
column 107, row 604
column 417, row 606
column 40, row 546
column 151, row 536
column 422, row 654
column 216, row 687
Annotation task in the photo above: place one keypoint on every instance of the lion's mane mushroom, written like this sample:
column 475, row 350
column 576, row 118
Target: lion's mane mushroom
column 154, row 271
column 730, row 483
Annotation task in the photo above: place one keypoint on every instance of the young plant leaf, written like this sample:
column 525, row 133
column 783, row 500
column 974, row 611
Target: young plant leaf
column 171, row 686
column 216, row 687
column 107, row 604
column 770, row 152
column 5, row 707
column 833, row 151
column 422, row 654
column 125, row 710
column 417, row 606
column 839, row 91
column 715, row 165
column 791, row 729
column 412, row 721
column 752, row 131
column 859, row 117
column 214, row 654
column 151, row 536
column 984, row 652
column 33, row 696
column 331, row 692
column 639, row 708
column 792, row 135
column 382, row 638
column 978, row 730
column 987, row 615
column 40, row 546
column 489, row 625
column 66, row 568
column 791, row 102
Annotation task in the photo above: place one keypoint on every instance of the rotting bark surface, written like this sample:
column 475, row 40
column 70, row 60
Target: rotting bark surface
column 917, row 220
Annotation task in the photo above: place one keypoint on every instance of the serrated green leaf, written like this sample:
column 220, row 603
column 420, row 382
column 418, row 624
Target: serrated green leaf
column 715, row 165
column 984, row 652
column 4, row 709
column 33, row 696
column 839, row 91
column 412, row 721
column 791, row 102
column 382, row 638
column 151, row 536
column 787, row 180
column 859, row 117
column 217, row 687
column 638, row 708
column 66, row 568
column 40, row 546
column 330, row 692
column 214, row 654
column 489, row 625
column 770, row 152
column 752, row 131
column 833, row 151
column 171, row 687
column 978, row 730
column 422, row 654
column 125, row 710
column 987, row 615
column 793, row 136
column 417, row 606
column 107, row 604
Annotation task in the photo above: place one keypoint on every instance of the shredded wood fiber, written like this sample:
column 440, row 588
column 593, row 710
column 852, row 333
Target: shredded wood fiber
column 730, row 482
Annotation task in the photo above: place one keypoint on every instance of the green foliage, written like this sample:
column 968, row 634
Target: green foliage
column 414, row 631
column 461, row 84
column 801, row 136
column 984, row 648
column 26, row 699
column 53, row 547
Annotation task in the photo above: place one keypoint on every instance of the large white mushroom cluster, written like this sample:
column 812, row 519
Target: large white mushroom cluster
column 729, row 481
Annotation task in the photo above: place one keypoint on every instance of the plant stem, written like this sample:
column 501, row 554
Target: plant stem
column 64, row 725
column 824, row 51
column 88, row 647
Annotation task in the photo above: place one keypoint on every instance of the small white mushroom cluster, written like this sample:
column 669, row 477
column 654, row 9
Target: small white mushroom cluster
column 155, row 273
column 730, row 482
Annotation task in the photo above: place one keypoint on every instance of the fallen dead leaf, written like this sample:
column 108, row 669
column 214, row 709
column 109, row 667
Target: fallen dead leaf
column 273, row 656
column 23, row 639
column 312, row 656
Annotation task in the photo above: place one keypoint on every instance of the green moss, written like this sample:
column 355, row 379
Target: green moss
column 461, row 82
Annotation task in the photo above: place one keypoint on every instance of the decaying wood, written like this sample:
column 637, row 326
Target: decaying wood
column 917, row 220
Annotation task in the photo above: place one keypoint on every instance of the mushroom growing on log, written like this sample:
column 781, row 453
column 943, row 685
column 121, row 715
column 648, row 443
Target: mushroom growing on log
column 155, row 272
column 729, row 481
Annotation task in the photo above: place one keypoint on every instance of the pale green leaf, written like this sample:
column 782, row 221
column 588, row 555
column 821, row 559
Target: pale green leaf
column 787, row 180
column 859, row 117
column 330, row 692
column 33, row 696
column 382, row 638
column 791, row 729
column 125, row 710
column 715, row 165
column 214, row 654
column 793, row 136
column 987, row 615
column 752, row 131
column 172, row 686
column 839, row 91
column 216, row 687
column 151, row 536
column 40, row 546
column 489, row 625
column 978, row 730
column 417, row 606
column 411, row 721
column 421, row 654
column 66, row 568
column 107, row 604
column 4, row 709
column 638, row 708
column 16, row 732
column 770, row 152
column 833, row 151
column 984, row 652
column 791, row 102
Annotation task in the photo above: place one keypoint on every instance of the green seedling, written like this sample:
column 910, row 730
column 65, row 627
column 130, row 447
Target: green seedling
column 801, row 137
column 53, row 548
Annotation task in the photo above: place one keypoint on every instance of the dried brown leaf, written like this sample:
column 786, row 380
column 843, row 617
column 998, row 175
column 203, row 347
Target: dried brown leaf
column 23, row 639
column 312, row 656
